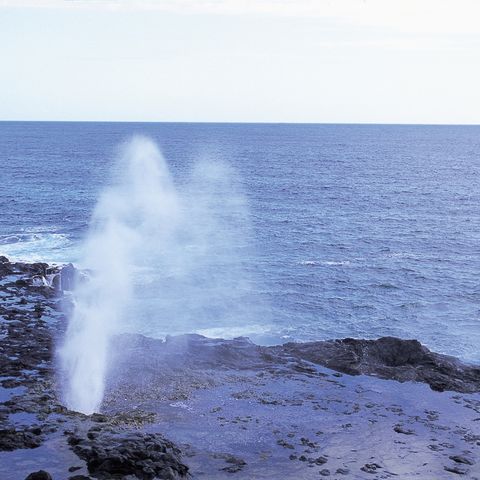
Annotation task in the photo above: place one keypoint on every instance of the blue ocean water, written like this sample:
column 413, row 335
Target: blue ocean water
column 357, row 230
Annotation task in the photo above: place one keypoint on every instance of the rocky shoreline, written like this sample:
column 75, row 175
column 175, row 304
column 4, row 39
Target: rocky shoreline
column 194, row 407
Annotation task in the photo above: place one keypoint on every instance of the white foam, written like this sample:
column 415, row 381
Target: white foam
column 36, row 247
column 229, row 332
column 331, row 263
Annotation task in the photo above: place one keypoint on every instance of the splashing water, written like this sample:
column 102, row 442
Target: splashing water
column 161, row 261
column 142, row 201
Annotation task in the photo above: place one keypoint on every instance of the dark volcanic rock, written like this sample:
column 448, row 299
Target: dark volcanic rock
column 370, row 467
column 170, row 374
column 196, row 351
column 6, row 268
column 68, row 277
column 461, row 459
column 456, row 469
column 11, row 439
column 111, row 454
column 31, row 269
column 40, row 475
column 390, row 358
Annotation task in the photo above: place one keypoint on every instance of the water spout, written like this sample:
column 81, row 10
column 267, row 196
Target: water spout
column 161, row 260
column 142, row 200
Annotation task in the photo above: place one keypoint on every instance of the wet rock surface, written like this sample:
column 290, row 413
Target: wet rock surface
column 34, row 426
column 387, row 357
column 282, row 415
column 12, row 439
column 196, row 407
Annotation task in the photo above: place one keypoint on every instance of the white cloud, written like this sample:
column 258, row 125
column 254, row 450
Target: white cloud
column 262, row 60
column 409, row 16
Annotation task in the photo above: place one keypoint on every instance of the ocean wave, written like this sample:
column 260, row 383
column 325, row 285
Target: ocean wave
column 329, row 263
column 403, row 255
column 229, row 332
column 33, row 247
column 8, row 239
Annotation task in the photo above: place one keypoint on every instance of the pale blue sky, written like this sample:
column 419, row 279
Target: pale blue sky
column 392, row 61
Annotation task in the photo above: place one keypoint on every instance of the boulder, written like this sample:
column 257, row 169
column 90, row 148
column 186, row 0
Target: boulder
column 5, row 267
column 12, row 439
column 40, row 475
column 109, row 454
column 390, row 358
column 68, row 277
column 31, row 268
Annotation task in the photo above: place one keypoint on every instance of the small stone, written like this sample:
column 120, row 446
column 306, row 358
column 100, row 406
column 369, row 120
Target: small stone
column 285, row 444
column 456, row 469
column 370, row 467
column 405, row 431
column 325, row 472
column 461, row 459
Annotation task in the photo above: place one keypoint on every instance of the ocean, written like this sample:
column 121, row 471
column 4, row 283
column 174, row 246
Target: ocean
column 318, row 231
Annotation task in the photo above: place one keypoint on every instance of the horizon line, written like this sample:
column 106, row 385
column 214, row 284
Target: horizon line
column 248, row 122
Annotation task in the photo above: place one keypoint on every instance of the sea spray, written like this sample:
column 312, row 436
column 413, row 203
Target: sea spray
column 139, row 209
column 161, row 260
column 203, row 274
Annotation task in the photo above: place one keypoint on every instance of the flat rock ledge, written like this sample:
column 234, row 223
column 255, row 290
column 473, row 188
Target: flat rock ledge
column 389, row 358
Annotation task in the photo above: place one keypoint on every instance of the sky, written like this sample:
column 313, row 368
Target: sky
column 325, row 61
